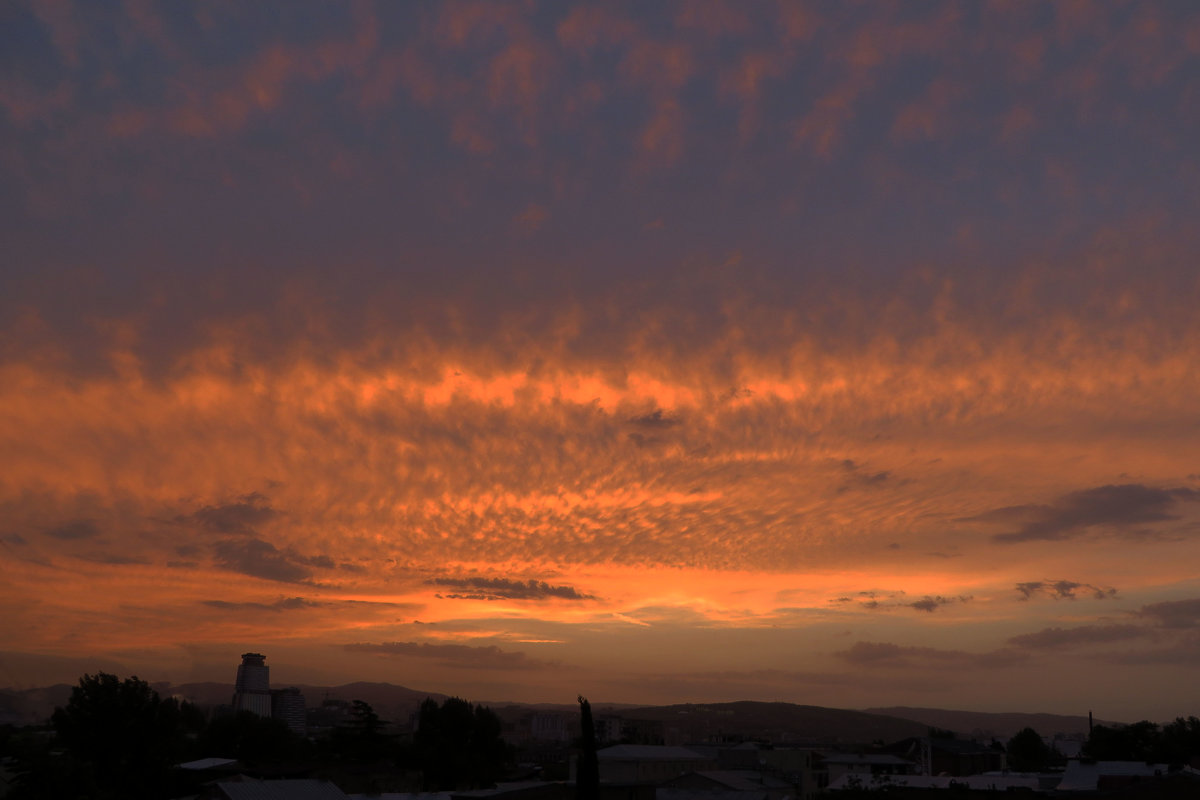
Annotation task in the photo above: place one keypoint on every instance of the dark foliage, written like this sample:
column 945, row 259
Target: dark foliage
column 1028, row 753
column 587, row 779
column 1134, row 742
column 360, row 737
column 458, row 746
column 1179, row 741
column 251, row 739
column 1176, row 743
column 113, row 738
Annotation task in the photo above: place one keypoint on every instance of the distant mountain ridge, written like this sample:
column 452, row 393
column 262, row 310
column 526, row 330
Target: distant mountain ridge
column 1001, row 725
column 31, row 706
column 779, row 722
column 388, row 700
column 34, row 706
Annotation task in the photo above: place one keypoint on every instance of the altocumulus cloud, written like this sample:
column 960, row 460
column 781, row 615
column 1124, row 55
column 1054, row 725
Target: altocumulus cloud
column 1122, row 506
column 887, row 654
column 1174, row 613
column 116, row 559
column 242, row 516
column 301, row 603
column 76, row 529
column 1063, row 590
column 1059, row 638
column 1185, row 652
column 928, row 603
column 259, row 559
column 931, row 603
column 282, row 604
column 453, row 655
column 505, row 589
column 654, row 420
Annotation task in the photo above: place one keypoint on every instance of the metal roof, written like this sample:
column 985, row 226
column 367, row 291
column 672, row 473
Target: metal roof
column 992, row 783
column 876, row 759
column 301, row 789
column 732, row 780
column 207, row 763
column 648, row 752
column 503, row 788
column 669, row 793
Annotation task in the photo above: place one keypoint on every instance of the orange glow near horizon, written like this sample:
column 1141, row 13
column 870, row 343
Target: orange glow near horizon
column 654, row 352
column 637, row 499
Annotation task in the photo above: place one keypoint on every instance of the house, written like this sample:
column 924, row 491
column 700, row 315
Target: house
column 839, row 764
column 954, row 757
column 975, row 783
column 730, row 784
column 1086, row 775
column 520, row 790
column 245, row 788
column 648, row 764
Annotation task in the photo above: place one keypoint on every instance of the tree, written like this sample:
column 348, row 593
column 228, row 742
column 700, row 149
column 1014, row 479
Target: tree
column 587, row 778
column 458, row 746
column 365, row 720
column 1028, row 753
column 250, row 738
column 1136, row 742
column 1179, row 741
column 123, row 736
column 361, row 738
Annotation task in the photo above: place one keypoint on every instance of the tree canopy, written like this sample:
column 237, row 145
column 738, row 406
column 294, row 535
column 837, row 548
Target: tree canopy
column 120, row 737
column 1176, row 742
column 587, row 778
column 459, row 745
column 1027, row 752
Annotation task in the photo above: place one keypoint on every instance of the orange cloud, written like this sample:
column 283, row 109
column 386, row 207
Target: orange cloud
column 586, row 28
column 370, row 400
column 714, row 17
column 663, row 137
column 930, row 114
column 532, row 218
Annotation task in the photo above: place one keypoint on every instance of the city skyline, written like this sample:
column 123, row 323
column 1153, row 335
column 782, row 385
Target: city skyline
column 839, row 355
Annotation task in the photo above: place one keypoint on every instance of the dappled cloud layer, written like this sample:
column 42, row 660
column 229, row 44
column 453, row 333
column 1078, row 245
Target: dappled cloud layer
column 360, row 491
column 604, row 344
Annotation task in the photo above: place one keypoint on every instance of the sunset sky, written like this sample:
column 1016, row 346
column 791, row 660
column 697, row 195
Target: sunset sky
column 838, row 353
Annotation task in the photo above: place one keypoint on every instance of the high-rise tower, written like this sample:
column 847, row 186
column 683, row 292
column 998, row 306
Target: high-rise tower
column 252, row 692
column 288, row 705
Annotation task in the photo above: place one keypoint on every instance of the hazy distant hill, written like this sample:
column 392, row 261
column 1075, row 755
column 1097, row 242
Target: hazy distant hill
column 779, row 722
column 31, row 706
column 209, row 693
column 984, row 724
column 34, row 706
column 388, row 700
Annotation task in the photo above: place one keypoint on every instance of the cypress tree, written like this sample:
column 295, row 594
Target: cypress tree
column 587, row 779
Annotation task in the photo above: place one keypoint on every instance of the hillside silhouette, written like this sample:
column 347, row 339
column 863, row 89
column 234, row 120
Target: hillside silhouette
column 698, row 721
column 779, row 722
column 1002, row 725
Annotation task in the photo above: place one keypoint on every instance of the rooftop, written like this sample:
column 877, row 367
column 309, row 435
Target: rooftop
column 648, row 752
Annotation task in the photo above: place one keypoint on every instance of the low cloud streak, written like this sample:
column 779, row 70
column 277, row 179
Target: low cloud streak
column 1125, row 507
column 457, row 656
column 505, row 589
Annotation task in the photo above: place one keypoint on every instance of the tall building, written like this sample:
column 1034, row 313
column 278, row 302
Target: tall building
column 253, row 675
column 252, row 692
column 288, row 705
